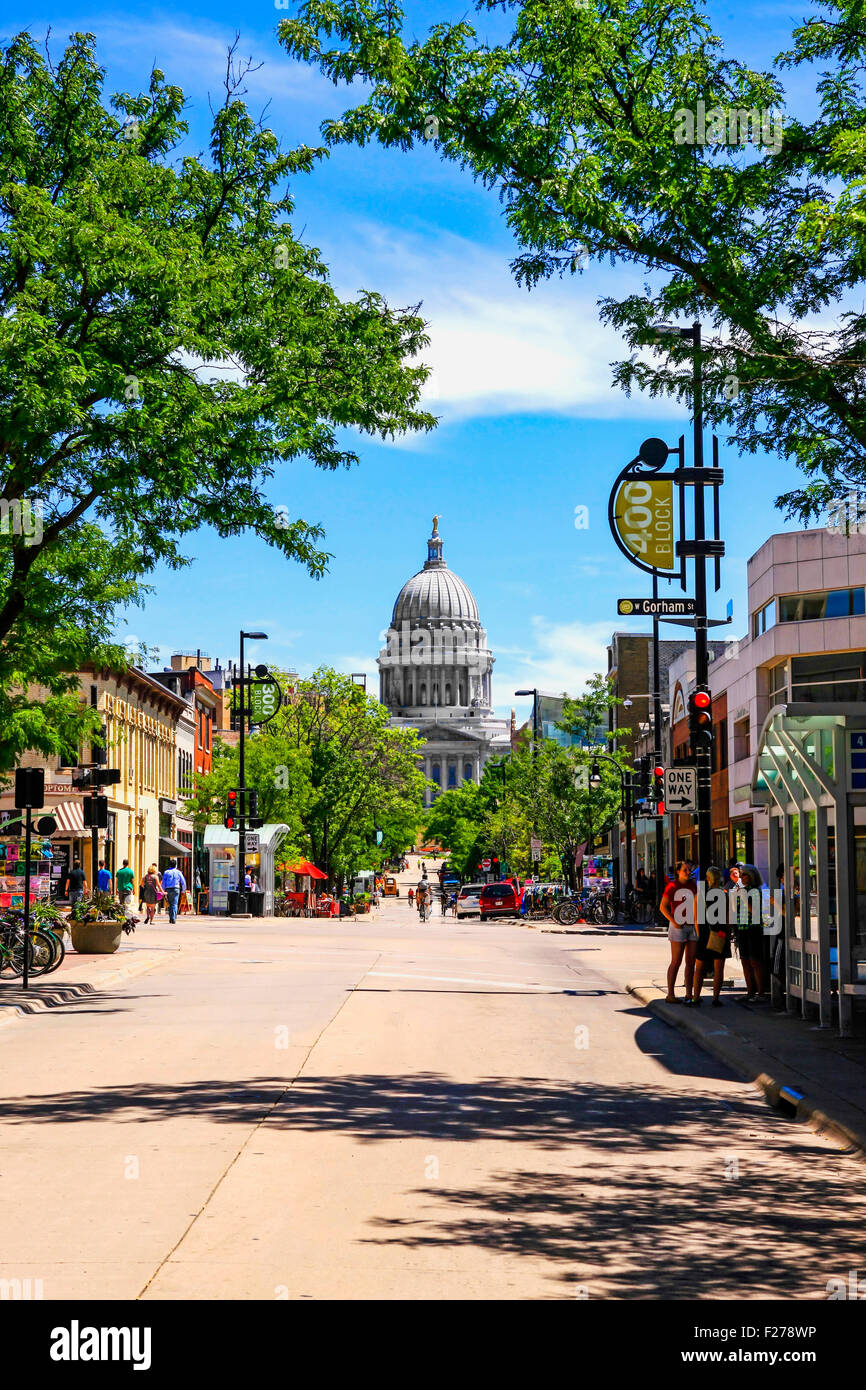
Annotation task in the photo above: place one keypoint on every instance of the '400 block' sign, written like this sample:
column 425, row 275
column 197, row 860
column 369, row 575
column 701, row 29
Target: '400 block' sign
column 643, row 513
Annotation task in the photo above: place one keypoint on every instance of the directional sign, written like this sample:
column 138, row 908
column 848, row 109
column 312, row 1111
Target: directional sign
column 252, row 842
column 655, row 607
column 681, row 789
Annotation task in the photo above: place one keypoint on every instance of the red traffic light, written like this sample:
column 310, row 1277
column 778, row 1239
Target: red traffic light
column 701, row 699
column 659, row 771
column 660, row 808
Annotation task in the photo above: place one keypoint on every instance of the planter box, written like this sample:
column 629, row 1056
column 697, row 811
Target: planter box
column 96, row 938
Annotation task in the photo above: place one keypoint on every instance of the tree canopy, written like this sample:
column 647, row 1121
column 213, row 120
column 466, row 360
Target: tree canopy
column 330, row 766
column 621, row 130
column 167, row 344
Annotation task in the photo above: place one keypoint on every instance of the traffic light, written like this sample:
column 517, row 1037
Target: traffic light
column 105, row 776
column 659, row 790
column 96, row 813
column 82, row 777
column 29, row 787
column 701, row 719
column 99, row 751
column 232, row 816
column 253, row 820
column 643, row 778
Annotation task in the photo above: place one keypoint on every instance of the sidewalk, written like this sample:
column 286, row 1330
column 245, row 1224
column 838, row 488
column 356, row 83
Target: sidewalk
column 808, row 1071
column 78, row 976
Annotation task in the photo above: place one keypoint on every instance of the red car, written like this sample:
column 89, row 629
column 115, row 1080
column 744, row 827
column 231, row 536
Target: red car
column 499, row 900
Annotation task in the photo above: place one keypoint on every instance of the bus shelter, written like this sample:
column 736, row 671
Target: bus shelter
column 810, row 774
column 221, row 847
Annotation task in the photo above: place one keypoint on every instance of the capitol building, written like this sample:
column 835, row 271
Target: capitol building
column 436, row 672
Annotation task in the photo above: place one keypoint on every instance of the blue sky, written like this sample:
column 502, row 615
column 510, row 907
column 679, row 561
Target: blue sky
column 530, row 425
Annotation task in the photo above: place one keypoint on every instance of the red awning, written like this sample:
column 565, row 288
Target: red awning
column 304, row 867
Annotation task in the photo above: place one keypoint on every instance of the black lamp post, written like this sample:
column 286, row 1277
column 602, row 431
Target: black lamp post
column 534, row 693
column 242, row 797
column 625, row 785
column 700, row 552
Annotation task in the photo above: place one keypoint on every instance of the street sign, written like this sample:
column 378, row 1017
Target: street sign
column 485, row 864
column 655, row 607
column 265, row 698
column 681, row 789
column 535, row 846
column 251, row 842
column 643, row 515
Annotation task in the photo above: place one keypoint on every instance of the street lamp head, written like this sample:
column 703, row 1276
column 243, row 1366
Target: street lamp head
column 595, row 774
column 524, row 692
column 261, row 636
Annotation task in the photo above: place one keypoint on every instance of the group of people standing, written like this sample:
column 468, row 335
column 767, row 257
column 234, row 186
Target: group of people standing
column 706, row 944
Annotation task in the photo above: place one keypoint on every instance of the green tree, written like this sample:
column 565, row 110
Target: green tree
column 585, row 120
column 67, row 623
column 167, row 344
column 330, row 766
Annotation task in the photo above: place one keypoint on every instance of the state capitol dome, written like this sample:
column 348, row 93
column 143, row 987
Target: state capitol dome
column 435, row 674
column 435, row 593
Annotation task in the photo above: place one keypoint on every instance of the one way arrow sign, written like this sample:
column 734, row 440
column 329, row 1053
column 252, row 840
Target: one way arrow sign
column 681, row 789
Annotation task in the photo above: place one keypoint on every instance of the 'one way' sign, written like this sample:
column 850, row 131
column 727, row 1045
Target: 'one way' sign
column 681, row 788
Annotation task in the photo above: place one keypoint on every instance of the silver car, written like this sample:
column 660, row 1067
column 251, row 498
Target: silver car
column 467, row 899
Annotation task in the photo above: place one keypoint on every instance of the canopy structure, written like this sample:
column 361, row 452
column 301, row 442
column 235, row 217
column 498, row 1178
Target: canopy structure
column 169, row 846
column 221, row 845
column 305, row 868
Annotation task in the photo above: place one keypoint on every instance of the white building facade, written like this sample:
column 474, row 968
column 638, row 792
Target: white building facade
column 436, row 674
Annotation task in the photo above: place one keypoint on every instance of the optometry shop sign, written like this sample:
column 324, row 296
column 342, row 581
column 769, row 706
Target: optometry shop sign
column 642, row 516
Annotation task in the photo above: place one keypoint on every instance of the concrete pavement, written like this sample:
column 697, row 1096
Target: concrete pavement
column 376, row 1108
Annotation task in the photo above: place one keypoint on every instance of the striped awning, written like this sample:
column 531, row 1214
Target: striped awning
column 69, row 816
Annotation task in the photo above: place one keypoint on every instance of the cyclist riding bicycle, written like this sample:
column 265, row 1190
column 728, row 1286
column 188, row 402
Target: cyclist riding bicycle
column 422, row 898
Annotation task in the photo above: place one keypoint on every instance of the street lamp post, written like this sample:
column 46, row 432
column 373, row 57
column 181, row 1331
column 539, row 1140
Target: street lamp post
column 699, row 552
column 534, row 693
column 242, row 789
column 625, row 785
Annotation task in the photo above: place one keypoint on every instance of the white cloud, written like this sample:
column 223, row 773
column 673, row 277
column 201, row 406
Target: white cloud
column 495, row 348
column 561, row 657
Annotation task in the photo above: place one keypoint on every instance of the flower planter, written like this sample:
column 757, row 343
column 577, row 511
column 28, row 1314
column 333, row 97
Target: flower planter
column 96, row 938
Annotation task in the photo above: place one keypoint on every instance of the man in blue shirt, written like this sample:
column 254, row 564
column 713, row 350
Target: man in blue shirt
column 173, row 884
column 103, row 878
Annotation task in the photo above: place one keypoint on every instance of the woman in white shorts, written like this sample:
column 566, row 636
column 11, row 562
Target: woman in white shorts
column 682, row 932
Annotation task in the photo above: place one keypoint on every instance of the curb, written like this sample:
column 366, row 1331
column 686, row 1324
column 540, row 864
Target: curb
column 781, row 1091
column 64, row 990
column 604, row 931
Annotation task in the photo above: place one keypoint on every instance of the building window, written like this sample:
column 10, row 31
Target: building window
column 778, row 684
column 436, row 774
column 742, row 741
column 467, row 772
column 829, row 679
column 764, row 618
column 833, row 603
column 721, row 745
column 452, row 775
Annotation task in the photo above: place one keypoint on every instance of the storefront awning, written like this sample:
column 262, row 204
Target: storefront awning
column 304, row 867
column 69, row 816
column 169, row 846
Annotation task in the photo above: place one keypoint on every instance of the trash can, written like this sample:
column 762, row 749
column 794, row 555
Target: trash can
column 255, row 905
column 236, row 902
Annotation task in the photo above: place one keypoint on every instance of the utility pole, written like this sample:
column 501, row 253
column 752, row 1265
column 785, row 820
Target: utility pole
column 244, row 710
column 657, row 747
column 704, row 750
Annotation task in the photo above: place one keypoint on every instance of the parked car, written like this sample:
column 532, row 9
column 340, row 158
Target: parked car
column 499, row 900
column 467, row 899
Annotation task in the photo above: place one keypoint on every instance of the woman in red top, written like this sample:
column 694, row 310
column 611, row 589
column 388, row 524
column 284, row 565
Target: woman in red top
column 682, row 932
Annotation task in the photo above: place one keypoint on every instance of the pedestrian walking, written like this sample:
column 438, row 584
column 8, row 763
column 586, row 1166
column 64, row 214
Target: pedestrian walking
column 682, row 933
column 714, row 941
column 173, row 884
column 103, row 878
column 77, row 883
column 125, row 880
column 150, row 893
